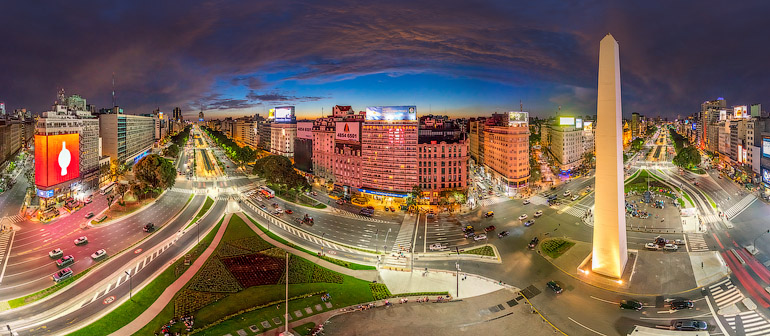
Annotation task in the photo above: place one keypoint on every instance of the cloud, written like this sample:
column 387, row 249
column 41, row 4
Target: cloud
column 279, row 97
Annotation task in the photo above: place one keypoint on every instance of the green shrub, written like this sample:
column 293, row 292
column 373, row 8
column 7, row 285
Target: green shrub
column 555, row 247
column 254, row 244
column 190, row 301
column 214, row 277
column 379, row 291
column 484, row 251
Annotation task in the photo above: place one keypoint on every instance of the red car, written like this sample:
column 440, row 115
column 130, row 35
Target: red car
column 489, row 228
column 288, row 211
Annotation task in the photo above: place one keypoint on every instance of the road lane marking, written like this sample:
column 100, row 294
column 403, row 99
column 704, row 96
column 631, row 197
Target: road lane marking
column 603, row 300
column 594, row 331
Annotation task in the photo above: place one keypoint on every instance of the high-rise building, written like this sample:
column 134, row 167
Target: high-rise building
column 389, row 151
column 708, row 132
column 323, row 150
column 346, row 162
column 442, row 158
column 177, row 114
column 635, row 125
column 244, row 132
column 126, row 138
column 476, row 139
column 303, row 147
column 282, row 139
column 506, row 151
column 566, row 142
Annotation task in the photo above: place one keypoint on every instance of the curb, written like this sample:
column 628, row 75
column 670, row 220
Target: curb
column 113, row 220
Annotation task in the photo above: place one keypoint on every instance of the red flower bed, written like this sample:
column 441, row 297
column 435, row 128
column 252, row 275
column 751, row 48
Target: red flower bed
column 255, row 269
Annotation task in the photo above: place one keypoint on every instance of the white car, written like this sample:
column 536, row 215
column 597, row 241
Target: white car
column 538, row 213
column 526, row 201
column 523, row 217
column 567, row 193
column 436, row 246
column 670, row 247
column 575, row 197
column 480, row 237
column 98, row 254
column 651, row 246
column 81, row 240
column 56, row 253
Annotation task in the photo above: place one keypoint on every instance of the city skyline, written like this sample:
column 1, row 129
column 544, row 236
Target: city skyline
column 449, row 58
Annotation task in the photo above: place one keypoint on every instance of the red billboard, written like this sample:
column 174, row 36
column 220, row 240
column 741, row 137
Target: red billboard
column 57, row 159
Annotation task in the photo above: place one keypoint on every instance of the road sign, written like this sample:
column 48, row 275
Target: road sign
column 109, row 299
column 137, row 251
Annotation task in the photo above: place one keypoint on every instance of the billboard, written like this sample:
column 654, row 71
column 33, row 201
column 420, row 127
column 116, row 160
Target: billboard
column 588, row 125
column 741, row 112
column 578, row 123
column 722, row 115
column 348, row 131
column 766, row 147
column 693, row 126
column 45, row 193
column 518, row 118
column 305, row 130
column 271, row 114
column 391, row 113
column 566, row 120
column 284, row 114
column 766, row 176
column 57, row 159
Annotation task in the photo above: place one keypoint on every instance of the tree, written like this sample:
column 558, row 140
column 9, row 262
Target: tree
column 637, row 144
column 172, row 150
column 121, row 189
column 155, row 171
column 588, row 158
column 110, row 199
column 688, row 157
column 278, row 170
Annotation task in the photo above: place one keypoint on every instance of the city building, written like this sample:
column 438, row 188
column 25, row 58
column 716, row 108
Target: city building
column 10, row 139
column 476, row 139
column 303, row 147
column 282, row 139
column 635, row 125
column 506, row 151
column 442, row 158
column 711, row 112
column 566, row 142
column 264, row 133
column 323, row 150
column 244, row 132
column 126, row 138
column 177, row 115
column 346, row 162
column 389, row 151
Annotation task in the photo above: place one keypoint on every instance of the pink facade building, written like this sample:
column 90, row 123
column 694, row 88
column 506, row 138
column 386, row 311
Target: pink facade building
column 442, row 167
column 323, row 149
column 389, row 157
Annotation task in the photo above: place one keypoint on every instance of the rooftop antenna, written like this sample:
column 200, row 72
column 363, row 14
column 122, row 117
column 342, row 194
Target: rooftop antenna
column 114, row 103
column 521, row 106
column 60, row 96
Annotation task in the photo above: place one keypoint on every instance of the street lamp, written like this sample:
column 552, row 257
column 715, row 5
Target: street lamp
column 457, row 272
column 130, row 288
column 385, row 246
column 322, row 242
column 376, row 240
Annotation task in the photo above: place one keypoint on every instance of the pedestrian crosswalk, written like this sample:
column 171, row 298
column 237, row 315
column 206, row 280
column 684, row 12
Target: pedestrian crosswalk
column 753, row 324
column 6, row 238
column 398, row 256
column 725, row 293
column 739, row 207
column 711, row 218
column 16, row 218
column 696, row 242
column 539, row 200
column 348, row 214
column 579, row 213
column 491, row 201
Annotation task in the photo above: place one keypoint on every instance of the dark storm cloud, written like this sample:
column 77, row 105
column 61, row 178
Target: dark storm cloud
column 169, row 53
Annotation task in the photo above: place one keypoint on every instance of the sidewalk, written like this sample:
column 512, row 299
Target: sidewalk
column 439, row 281
column 170, row 291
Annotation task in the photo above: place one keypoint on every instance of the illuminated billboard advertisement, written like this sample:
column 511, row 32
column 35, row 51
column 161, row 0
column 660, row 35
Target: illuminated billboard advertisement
column 566, row 120
column 741, row 112
column 305, row 130
column 348, row 131
column 765, row 176
column 693, row 126
column 518, row 118
column 391, row 113
column 284, row 114
column 722, row 115
column 578, row 123
column 271, row 114
column 57, row 159
column 44, row 193
column 588, row 125
column 766, row 147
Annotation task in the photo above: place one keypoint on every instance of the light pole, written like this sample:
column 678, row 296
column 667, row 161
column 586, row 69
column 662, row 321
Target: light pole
column 322, row 243
column 198, row 226
column 286, row 318
column 129, row 286
column 376, row 241
column 457, row 272
column 755, row 240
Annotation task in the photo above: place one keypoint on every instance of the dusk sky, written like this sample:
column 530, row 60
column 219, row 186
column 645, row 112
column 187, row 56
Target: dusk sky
column 450, row 57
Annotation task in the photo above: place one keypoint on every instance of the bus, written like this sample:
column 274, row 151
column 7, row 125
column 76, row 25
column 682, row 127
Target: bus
column 107, row 189
column 267, row 192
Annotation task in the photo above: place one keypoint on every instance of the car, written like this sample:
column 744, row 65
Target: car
column 431, row 215
column 98, row 254
column 65, row 260
column 289, row 211
column 89, row 200
column 62, row 275
column 575, row 197
column 56, row 253
column 630, row 304
column 529, row 222
column 489, row 214
column 81, row 240
column 651, row 246
column 470, row 234
column 525, row 202
column 503, row 234
column 489, row 228
column 689, row 325
column 148, row 227
column 340, row 202
column 680, row 304
column 538, row 213
column 554, row 286
column 89, row 215
column 314, row 193
column 436, row 246
column 533, row 242
column 670, row 247
column 481, row 236
column 392, row 209
column 387, row 209
column 567, row 193
column 370, row 207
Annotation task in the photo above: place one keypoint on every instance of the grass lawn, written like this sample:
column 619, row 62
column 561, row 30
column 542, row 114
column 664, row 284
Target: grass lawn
column 342, row 263
column 554, row 248
column 304, row 329
column 251, row 305
column 711, row 201
column 206, row 207
column 24, row 300
column 483, row 251
column 129, row 310
column 116, row 210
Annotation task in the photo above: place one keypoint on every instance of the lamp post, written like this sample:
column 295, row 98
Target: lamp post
column 322, row 243
column 130, row 288
column 376, row 241
column 286, row 318
column 457, row 272
column 754, row 245
column 385, row 245
column 198, row 227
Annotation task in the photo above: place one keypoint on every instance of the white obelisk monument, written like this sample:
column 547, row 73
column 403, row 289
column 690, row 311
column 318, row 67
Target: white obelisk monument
column 609, row 246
